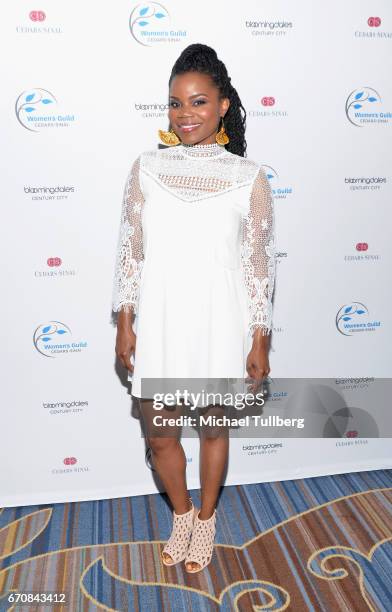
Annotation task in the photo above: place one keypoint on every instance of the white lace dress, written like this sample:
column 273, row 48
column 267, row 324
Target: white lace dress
column 195, row 261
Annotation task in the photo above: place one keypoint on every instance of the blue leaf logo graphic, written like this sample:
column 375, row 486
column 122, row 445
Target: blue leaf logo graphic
column 357, row 105
column 46, row 101
column 46, row 329
column 45, row 339
column 61, row 331
column 28, row 109
column 348, row 308
column 143, row 11
column 143, row 23
column 270, row 176
column 359, row 95
column 159, row 15
column 346, row 318
column 30, row 97
column 372, row 99
column 360, row 311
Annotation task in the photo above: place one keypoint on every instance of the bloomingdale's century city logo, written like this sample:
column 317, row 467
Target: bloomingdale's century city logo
column 259, row 27
column 364, row 107
column 37, row 109
column 354, row 317
column 150, row 24
column 54, row 338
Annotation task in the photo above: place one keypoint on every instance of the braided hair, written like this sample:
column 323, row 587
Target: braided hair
column 202, row 58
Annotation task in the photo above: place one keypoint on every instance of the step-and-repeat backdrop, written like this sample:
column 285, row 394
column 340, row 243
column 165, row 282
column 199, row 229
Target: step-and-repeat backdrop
column 85, row 90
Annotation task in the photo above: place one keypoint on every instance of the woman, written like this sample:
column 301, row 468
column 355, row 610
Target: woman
column 195, row 267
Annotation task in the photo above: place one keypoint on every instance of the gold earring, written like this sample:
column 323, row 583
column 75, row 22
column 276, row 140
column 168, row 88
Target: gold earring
column 221, row 137
column 169, row 138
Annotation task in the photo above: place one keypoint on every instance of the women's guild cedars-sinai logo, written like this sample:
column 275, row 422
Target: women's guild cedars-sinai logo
column 50, row 335
column 348, row 315
column 279, row 191
column 270, row 172
column 353, row 318
column 147, row 21
column 54, row 338
column 360, row 106
column 30, row 103
column 36, row 109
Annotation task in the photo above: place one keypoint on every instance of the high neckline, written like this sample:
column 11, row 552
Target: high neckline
column 202, row 150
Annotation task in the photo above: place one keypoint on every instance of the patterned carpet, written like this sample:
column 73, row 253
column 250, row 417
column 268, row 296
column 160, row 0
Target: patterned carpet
column 321, row 543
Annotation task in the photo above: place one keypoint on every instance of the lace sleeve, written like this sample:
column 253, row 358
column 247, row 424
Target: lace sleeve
column 129, row 257
column 258, row 254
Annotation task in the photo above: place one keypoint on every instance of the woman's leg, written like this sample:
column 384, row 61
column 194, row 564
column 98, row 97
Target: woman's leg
column 214, row 448
column 168, row 456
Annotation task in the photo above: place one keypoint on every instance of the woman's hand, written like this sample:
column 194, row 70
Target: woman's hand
column 257, row 363
column 125, row 340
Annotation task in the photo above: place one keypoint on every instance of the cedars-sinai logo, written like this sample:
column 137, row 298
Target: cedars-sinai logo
column 146, row 20
column 360, row 106
column 70, row 460
column 37, row 15
column 374, row 22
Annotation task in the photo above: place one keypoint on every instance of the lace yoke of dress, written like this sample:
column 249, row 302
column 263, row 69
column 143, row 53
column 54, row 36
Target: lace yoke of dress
column 193, row 173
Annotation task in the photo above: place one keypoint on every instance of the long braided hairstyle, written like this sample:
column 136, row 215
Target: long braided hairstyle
column 202, row 58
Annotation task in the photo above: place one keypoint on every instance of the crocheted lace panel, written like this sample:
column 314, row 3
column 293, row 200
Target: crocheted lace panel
column 193, row 173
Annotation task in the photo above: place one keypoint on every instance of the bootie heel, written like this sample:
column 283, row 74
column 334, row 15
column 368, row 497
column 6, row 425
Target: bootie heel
column 178, row 543
column 202, row 543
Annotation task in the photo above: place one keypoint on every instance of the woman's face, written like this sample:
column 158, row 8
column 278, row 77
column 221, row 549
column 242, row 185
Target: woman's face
column 195, row 108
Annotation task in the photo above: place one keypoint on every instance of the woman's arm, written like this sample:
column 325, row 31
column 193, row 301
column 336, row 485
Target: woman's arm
column 258, row 259
column 129, row 265
column 258, row 255
column 129, row 259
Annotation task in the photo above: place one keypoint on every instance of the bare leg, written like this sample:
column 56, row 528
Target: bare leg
column 168, row 456
column 214, row 447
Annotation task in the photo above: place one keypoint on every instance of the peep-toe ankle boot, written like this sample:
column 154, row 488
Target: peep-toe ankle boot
column 177, row 544
column 201, row 545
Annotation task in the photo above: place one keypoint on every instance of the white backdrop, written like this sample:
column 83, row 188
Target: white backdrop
column 84, row 91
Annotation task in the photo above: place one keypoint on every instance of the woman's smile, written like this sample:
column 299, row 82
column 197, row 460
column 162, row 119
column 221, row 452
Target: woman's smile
column 188, row 128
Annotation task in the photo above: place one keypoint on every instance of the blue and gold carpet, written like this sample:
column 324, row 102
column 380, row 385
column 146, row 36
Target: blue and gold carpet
column 322, row 543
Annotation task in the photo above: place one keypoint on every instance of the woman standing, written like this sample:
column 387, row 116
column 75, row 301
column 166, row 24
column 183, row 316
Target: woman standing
column 194, row 277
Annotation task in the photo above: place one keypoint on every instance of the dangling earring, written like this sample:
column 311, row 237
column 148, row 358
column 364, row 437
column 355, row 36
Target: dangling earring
column 169, row 138
column 221, row 137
